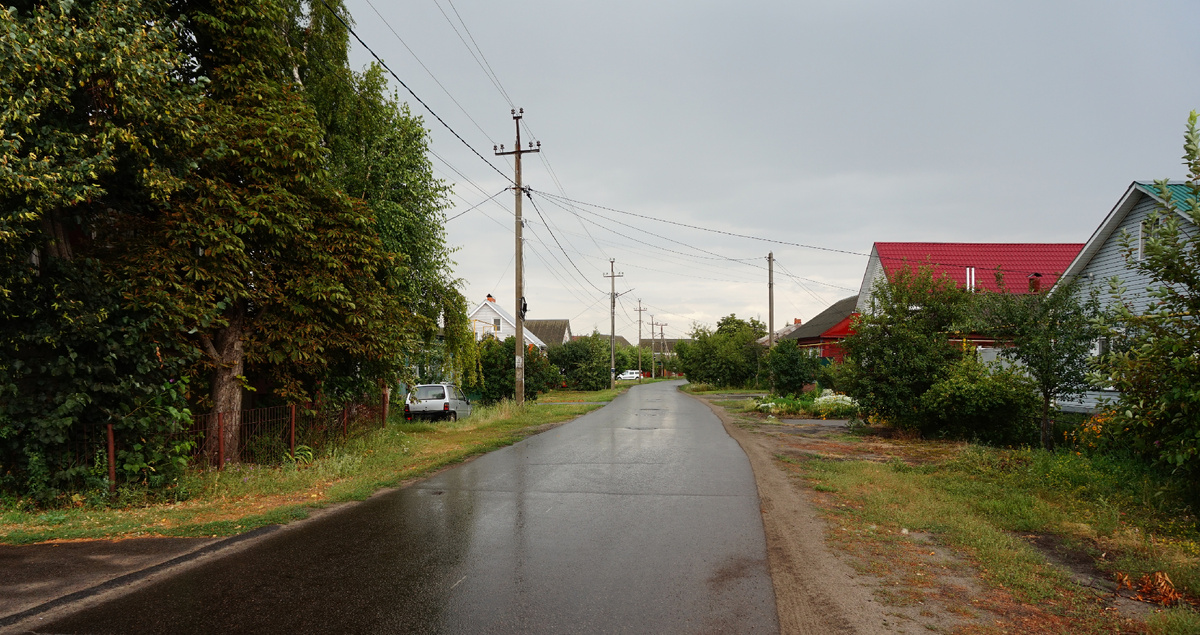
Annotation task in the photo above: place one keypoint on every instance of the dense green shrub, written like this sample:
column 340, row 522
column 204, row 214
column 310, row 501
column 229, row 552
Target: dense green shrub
column 982, row 402
column 497, row 371
column 791, row 367
column 585, row 361
column 902, row 345
column 726, row 357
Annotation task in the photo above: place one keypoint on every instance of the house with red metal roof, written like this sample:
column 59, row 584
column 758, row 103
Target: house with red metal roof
column 1025, row 267
column 823, row 334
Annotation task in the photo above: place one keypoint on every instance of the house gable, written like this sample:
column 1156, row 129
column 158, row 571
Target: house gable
column 483, row 323
column 1101, row 258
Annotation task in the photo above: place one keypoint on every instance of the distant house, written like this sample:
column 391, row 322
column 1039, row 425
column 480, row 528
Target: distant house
column 780, row 333
column 661, row 345
column 1027, row 267
column 1101, row 258
column 552, row 332
column 489, row 320
column 619, row 339
column 827, row 329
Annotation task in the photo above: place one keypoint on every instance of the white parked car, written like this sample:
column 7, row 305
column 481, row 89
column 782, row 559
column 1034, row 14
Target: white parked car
column 632, row 373
column 436, row 401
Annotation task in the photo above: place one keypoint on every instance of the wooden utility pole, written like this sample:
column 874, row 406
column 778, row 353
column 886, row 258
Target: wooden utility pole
column 639, row 344
column 612, row 324
column 770, row 299
column 519, row 395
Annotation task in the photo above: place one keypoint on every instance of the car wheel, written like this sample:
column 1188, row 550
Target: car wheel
column 453, row 416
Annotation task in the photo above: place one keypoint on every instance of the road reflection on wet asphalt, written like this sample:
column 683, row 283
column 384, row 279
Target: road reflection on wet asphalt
column 639, row 517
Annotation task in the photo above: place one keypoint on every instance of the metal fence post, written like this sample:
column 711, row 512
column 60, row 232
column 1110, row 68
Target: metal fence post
column 112, row 460
column 292, row 440
column 345, row 425
column 220, row 440
column 383, row 404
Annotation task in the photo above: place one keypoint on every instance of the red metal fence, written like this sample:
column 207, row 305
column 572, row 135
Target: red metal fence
column 265, row 436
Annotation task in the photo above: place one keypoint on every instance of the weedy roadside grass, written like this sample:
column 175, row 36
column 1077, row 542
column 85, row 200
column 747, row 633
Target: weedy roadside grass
column 709, row 390
column 992, row 505
column 244, row 497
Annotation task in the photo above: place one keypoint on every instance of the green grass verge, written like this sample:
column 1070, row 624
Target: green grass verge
column 245, row 497
column 986, row 501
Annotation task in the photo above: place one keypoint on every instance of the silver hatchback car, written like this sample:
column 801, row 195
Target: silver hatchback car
column 436, row 401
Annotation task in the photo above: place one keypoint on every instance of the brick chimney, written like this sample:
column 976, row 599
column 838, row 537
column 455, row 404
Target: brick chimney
column 796, row 321
column 490, row 298
column 1035, row 282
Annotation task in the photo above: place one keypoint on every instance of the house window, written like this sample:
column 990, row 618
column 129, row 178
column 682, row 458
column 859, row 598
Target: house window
column 496, row 323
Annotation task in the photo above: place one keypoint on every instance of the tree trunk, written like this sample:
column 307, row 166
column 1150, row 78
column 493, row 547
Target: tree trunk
column 228, row 353
column 1047, row 436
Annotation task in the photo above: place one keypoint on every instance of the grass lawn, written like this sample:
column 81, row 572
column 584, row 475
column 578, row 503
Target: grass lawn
column 244, row 497
column 1028, row 521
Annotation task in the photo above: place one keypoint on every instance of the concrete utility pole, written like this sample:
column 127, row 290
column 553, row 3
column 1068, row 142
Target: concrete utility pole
column 612, row 325
column 639, row 344
column 770, row 299
column 519, row 397
column 653, row 360
column 664, row 346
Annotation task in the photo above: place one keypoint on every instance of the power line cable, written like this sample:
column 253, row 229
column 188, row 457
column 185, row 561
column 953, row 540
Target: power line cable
column 495, row 81
column 539, row 213
column 481, row 55
column 431, row 75
column 715, row 231
column 477, row 205
column 670, row 254
column 798, row 278
column 772, row 240
column 410, row 91
column 715, row 255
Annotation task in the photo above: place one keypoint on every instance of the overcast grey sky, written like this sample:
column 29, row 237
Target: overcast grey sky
column 833, row 124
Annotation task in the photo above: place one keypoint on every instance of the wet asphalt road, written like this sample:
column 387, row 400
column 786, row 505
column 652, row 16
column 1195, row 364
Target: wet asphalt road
column 641, row 517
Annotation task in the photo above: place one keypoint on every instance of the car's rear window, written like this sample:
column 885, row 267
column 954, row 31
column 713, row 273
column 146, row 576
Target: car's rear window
column 430, row 392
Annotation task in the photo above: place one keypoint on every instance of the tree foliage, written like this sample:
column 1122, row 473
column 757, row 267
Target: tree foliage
column 1154, row 359
column 202, row 188
column 982, row 402
column 1051, row 334
column 727, row 356
column 95, row 115
column 585, row 361
column 792, row 368
column 903, row 344
column 497, row 376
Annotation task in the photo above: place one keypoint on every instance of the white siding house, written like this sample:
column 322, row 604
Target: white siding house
column 489, row 320
column 1102, row 260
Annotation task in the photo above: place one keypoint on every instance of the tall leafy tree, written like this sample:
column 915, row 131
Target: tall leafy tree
column 1051, row 334
column 378, row 152
column 96, row 120
column 1154, row 363
column 260, row 259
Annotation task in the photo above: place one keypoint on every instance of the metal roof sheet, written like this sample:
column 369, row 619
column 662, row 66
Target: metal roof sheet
column 1016, row 261
column 824, row 320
